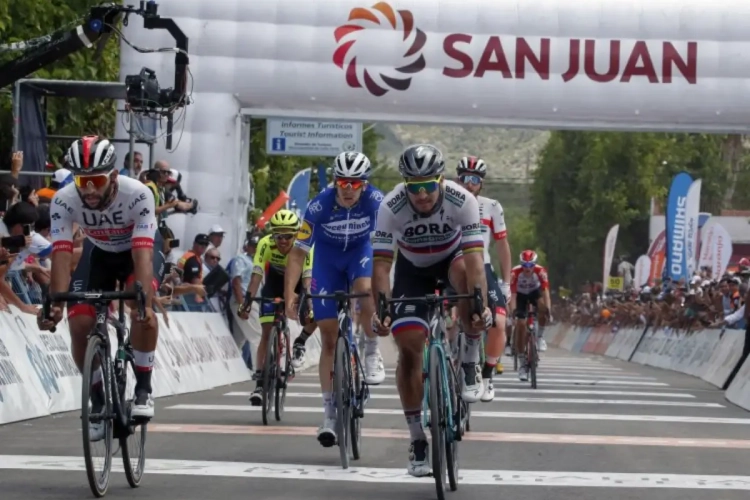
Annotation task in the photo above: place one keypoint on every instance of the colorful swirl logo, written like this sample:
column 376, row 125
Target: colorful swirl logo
column 413, row 41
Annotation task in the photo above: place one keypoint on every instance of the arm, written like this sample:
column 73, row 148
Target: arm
column 237, row 272
column 302, row 247
column 500, row 235
column 61, row 232
column 383, row 250
column 144, row 230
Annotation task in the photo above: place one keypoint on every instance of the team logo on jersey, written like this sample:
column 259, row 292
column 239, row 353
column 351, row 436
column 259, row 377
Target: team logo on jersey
column 305, row 231
column 315, row 207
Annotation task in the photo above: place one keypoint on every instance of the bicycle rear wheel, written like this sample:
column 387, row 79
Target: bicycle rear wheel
column 342, row 389
column 437, row 421
column 269, row 373
column 133, row 445
column 356, row 418
column 97, row 424
column 283, row 374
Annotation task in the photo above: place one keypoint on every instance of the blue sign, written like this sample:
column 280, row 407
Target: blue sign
column 278, row 144
column 322, row 176
column 299, row 189
column 676, row 224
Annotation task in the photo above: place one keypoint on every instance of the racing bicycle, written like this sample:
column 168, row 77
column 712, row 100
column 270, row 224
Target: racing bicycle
column 277, row 369
column 118, row 398
column 443, row 410
column 349, row 387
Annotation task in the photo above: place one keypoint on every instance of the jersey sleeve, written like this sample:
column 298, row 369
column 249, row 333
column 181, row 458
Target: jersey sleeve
column 543, row 279
column 307, row 265
column 382, row 240
column 497, row 221
column 61, row 228
column 514, row 280
column 306, row 234
column 471, row 227
column 262, row 255
column 144, row 218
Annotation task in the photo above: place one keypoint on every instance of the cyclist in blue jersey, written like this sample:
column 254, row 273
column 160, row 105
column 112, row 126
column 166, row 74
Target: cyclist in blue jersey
column 338, row 222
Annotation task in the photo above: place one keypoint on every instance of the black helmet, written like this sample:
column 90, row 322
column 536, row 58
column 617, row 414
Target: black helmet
column 421, row 160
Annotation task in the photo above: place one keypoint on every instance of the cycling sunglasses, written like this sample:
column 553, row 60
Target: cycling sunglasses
column 528, row 265
column 470, row 179
column 98, row 181
column 426, row 186
column 283, row 236
column 350, row 183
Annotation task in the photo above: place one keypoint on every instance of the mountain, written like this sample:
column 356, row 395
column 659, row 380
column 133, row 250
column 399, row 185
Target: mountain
column 509, row 153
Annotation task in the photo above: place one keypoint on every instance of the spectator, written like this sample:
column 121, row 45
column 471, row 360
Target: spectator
column 60, row 179
column 216, row 236
column 191, row 263
column 241, row 270
column 137, row 165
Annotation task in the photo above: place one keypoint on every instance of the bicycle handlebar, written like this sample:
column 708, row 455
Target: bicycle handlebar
column 430, row 299
column 335, row 295
column 96, row 298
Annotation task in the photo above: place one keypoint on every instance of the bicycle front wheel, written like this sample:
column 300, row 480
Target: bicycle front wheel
column 533, row 359
column 452, row 427
column 96, row 421
column 356, row 418
column 342, row 389
column 282, row 374
column 269, row 373
column 133, row 445
column 437, row 421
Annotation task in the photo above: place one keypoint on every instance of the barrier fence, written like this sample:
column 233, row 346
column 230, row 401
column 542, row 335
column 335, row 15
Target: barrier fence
column 711, row 355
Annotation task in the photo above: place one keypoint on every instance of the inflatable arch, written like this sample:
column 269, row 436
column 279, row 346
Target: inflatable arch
column 669, row 65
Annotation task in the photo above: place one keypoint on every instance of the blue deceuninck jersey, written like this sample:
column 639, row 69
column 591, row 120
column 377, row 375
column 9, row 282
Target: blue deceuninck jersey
column 343, row 252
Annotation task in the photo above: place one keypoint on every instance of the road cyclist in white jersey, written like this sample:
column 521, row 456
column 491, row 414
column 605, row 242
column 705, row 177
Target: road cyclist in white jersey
column 117, row 215
column 470, row 174
column 432, row 227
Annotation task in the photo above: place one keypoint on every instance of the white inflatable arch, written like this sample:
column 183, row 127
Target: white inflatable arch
column 662, row 65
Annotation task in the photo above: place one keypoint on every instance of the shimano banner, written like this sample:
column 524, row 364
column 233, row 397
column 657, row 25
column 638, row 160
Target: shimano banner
column 692, row 212
column 676, row 220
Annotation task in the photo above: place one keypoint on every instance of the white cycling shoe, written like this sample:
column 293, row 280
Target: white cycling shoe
column 374, row 369
column 96, row 431
column 143, row 406
column 419, row 459
column 327, row 433
column 542, row 345
column 472, row 388
column 488, row 394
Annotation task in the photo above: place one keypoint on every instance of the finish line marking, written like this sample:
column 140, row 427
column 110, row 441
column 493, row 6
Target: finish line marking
column 681, row 395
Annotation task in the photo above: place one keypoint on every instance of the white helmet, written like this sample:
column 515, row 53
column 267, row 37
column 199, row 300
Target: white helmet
column 472, row 165
column 352, row 165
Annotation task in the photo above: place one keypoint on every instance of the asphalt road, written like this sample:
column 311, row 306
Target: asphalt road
column 594, row 427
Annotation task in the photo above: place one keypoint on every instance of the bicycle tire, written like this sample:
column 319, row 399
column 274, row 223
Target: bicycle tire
column 452, row 435
column 356, row 421
column 96, row 347
column 437, row 418
column 342, row 390
column 134, row 475
column 532, row 360
column 269, row 372
column 283, row 376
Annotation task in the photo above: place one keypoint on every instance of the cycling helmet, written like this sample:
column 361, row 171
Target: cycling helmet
column 528, row 258
column 421, row 160
column 90, row 154
column 472, row 165
column 352, row 165
column 284, row 221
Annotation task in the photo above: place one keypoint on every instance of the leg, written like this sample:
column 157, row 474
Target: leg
column 256, row 398
column 495, row 335
column 359, row 270
column 472, row 386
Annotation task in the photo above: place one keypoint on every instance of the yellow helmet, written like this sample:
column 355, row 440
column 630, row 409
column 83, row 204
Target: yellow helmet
column 284, row 221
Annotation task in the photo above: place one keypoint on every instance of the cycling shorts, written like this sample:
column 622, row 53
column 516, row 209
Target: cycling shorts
column 100, row 270
column 273, row 288
column 413, row 281
column 336, row 270
column 495, row 295
column 523, row 300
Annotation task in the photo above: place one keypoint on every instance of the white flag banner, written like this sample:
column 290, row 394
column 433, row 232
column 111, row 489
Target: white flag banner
column 707, row 247
column 642, row 270
column 722, row 251
column 692, row 210
column 609, row 253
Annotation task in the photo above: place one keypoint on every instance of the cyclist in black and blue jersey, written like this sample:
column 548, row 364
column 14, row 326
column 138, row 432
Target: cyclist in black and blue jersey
column 338, row 222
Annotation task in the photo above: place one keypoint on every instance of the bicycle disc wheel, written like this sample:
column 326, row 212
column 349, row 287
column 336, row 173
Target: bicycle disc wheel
column 356, row 421
column 452, row 432
column 133, row 445
column 283, row 376
column 269, row 373
column 437, row 419
column 533, row 358
column 96, row 356
column 342, row 389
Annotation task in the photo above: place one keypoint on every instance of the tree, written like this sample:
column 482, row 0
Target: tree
column 22, row 20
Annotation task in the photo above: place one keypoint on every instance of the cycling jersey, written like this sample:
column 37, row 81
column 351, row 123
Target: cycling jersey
column 127, row 222
column 329, row 223
column 268, row 257
column 493, row 222
column 522, row 283
column 427, row 240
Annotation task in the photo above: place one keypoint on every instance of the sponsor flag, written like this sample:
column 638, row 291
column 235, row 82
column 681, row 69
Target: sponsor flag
column 299, row 189
column 657, row 256
column 692, row 215
column 642, row 270
column 609, row 254
column 274, row 207
column 676, row 224
column 716, row 249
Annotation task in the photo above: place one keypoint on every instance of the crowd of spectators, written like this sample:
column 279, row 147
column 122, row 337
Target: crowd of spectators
column 701, row 302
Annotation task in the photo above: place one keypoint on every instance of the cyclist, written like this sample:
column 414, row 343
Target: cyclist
column 339, row 222
column 527, row 283
column 116, row 213
column 435, row 225
column 270, row 263
column 471, row 171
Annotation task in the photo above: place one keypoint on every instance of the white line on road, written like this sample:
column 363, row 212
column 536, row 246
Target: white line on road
column 681, row 395
column 381, row 475
column 495, row 414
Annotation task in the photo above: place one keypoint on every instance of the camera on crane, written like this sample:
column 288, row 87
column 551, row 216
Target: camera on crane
column 144, row 95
